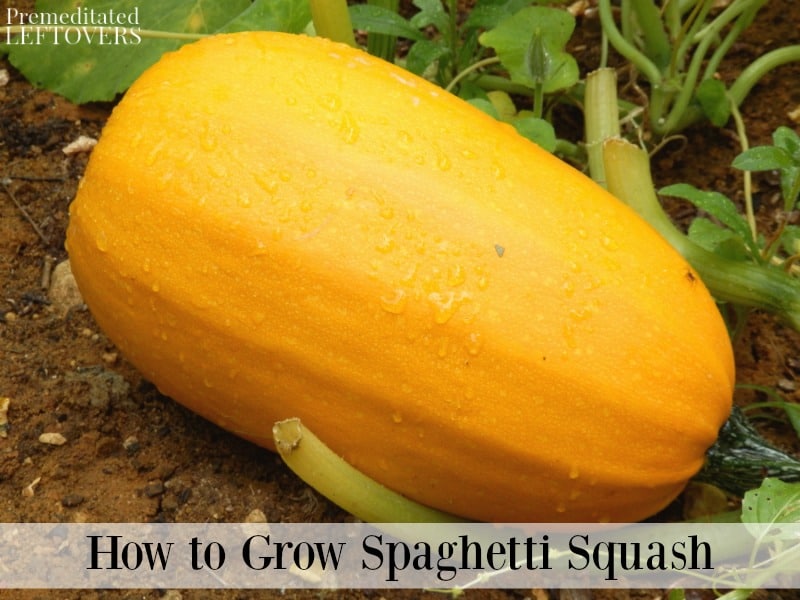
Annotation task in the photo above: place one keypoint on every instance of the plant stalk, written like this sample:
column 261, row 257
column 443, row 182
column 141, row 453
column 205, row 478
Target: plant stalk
column 740, row 459
column 381, row 44
column 329, row 474
column 332, row 20
column 602, row 119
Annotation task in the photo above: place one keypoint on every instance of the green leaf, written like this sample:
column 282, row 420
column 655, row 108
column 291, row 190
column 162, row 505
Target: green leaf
column 431, row 12
column 488, row 13
column 378, row 19
column 783, row 156
column 531, row 45
column 717, row 239
column 713, row 99
column 291, row 16
column 788, row 139
column 763, row 158
column 774, row 502
column 536, row 130
column 484, row 105
column 793, row 413
column 89, row 66
column 718, row 206
column 425, row 56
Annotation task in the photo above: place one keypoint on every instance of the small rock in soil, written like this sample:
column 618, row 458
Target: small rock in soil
column 64, row 294
column 154, row 488
column 72, row 500
column 53, row 439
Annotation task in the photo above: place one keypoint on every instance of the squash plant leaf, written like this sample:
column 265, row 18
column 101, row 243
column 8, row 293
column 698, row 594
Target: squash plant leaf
column 431, row 12
column 531, row 45
column 713, row 99
column 379, row 19
column 766, row 508
column 292, row 16
column 536, row 130
column 487, row 14
column 424, row 55
column 719, row 240
column 86, row 65
column 718, row 206
column 783, row 156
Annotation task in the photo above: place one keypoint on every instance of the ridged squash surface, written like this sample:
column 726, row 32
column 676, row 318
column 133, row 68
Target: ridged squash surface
column 277, row 226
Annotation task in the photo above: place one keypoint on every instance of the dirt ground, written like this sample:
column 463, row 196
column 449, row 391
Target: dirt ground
column 133, row 455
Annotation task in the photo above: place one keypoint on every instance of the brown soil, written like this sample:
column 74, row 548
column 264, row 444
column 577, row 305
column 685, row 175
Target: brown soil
column 133, row 455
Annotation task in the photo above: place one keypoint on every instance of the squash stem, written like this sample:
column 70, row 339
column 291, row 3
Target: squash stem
column 344, row 485
column 740, row 459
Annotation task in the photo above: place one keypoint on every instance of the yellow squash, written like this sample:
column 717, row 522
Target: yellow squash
column 277, row 226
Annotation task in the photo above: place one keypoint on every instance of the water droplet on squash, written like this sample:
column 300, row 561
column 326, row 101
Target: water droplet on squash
column 330, row 101
column 269, row 185
column 445, row 305
column 443, row 162
column 397, row 417
column 574, row 472
column 395, row 304
column 349, row 128
column 474, row 343
column 608, row 243
column 561, row 508
column 456, row 275
column 385, row 244
column 101, row 241
column 152, row 156
column 243, row 199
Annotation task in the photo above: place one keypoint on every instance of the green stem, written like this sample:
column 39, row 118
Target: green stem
column 628, row 175
column 740, row 459
column 747, row 176
column 742, row 23
column 381, row 44
column 753, row 73
column 650, row 71
column 475, row 67
column 602, row 118
column 342, row 484
column 656, row 43
column 687, row 35
column 332, row 20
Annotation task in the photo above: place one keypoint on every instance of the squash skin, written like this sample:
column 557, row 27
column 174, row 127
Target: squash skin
column 276, row 226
